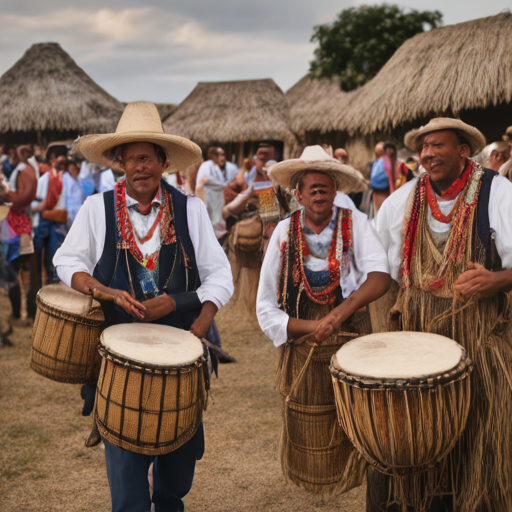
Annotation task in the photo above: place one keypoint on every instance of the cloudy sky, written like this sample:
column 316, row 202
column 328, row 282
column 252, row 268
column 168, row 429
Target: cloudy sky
column 157, row 50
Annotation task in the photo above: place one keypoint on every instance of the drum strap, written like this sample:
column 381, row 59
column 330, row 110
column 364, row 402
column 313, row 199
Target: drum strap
column 483, row 224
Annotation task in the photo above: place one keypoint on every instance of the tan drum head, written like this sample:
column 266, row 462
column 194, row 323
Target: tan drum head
column 152, row 344
column 399, row 355
column 64, row 298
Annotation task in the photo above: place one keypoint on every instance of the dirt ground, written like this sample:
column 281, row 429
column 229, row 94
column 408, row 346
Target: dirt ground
column 44, row 465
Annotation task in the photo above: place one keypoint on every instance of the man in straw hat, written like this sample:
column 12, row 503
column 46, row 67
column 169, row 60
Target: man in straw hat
column 322, row 265
column 126, row 244
column 448, row 238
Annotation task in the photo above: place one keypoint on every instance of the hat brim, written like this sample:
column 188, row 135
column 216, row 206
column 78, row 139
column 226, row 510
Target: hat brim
column 475, row 139
column 182, row 153
column 346, row 178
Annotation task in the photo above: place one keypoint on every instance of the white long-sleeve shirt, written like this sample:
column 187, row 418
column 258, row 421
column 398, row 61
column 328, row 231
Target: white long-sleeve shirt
column 390, row 221
column 85, row 241
column 368, row 256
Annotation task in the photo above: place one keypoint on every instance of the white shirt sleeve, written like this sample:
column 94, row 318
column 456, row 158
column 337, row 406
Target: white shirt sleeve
column 83, row 245
column 369, row 255
column 500, row 218
column 204, row 170
column 212, row 262
column 272, row 320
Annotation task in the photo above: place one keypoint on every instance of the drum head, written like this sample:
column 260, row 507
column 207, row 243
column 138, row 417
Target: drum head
column 396, row 355
column 152, row 344
column 64, row 298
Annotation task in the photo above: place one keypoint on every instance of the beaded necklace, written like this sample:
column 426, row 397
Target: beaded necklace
column 125, row 231
column 338, row 259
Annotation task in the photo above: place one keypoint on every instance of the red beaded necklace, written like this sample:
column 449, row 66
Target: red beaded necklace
column 455, row 189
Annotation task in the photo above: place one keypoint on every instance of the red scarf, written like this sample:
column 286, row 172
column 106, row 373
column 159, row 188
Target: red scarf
column 394, row 172
column 54, row 189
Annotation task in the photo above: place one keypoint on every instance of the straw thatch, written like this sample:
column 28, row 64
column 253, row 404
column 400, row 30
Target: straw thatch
column 442, row 72
column 313, row 104
column 47, row 91
column 238, row 111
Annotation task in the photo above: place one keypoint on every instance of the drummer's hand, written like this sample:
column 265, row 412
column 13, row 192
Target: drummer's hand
column 158, row 307
column 478, row 280
column 123, row 299
column 329, row 324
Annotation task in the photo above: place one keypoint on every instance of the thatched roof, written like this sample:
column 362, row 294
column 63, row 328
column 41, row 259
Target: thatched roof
column 46, row 90
column 239, row 111
column 313, row 104
column 440, row 72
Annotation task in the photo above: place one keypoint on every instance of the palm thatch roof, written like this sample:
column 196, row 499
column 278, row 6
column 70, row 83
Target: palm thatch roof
column 441, row 72
column 47, row 91
column 238, row 111
column 314, row 103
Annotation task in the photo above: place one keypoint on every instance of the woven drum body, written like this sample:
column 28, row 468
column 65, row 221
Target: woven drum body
column 315, row 452
column 150, row 408
column 403, row 398
column 65, row 336
column 247, row 240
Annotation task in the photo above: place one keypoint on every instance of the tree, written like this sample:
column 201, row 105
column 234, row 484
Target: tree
column 362, row 39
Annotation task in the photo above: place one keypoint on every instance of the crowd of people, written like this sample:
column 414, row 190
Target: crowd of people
column 430, row 219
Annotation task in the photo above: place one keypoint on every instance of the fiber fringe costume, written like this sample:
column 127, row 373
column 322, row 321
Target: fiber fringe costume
column 315, row 452
column 477, row 474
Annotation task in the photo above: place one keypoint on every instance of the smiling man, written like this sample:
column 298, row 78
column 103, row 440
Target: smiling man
column 322, row 265
column 449, row 242
column 153, row 251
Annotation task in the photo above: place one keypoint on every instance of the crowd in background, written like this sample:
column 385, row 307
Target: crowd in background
column 40, row 196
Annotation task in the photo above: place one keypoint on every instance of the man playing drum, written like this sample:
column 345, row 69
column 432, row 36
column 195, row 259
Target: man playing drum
column 153, row 251
column 448, row 238
column 322, row 265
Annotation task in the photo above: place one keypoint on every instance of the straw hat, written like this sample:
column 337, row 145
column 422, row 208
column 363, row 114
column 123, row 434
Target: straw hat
column 314, row 158
column 474, row 137
column 140, row 122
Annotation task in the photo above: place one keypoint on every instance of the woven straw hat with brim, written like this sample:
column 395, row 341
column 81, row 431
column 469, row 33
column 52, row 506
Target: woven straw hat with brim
column 140, row 122
column 315, row 159
column 474, row 138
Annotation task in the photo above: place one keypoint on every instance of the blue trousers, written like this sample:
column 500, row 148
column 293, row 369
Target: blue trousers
column 172, row 476
column 49, row 236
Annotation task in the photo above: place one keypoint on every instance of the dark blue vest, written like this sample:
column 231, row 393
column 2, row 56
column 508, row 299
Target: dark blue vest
column 177, row 269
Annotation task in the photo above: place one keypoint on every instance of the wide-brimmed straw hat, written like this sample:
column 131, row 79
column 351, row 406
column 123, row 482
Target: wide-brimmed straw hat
column 314, row 158
column 474, row 138
column 140, row 122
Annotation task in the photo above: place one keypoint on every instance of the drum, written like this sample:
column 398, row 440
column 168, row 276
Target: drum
column 315, row 452
column 65, row 336
column 402, row 398
column 247, row 241
column 152, row 387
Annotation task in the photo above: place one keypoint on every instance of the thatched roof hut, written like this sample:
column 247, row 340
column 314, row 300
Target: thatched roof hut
column 48, row 94
column 462, row 70
column 312, row 104
column 232, row 112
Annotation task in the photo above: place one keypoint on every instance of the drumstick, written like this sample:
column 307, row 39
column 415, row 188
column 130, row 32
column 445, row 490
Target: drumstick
column 102, row 296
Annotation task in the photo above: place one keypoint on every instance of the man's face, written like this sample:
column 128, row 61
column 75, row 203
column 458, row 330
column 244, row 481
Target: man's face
column 390, row 152
column 73, row 170
column 61, row 163
column 379, row 150
column 498, row 158
column 317, row 194
column 262, row 157
column 142, row 169
column 221, row 157
column 443, row 158
column 341, row 155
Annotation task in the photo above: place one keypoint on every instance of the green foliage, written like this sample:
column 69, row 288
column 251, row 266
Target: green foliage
column 362, row 39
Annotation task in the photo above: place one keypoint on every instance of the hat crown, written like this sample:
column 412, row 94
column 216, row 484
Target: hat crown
column 140, row 116
column 316, row 154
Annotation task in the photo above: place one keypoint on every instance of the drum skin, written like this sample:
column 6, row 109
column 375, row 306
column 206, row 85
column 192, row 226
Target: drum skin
column 403, row 426
column 149, row 409
column 64, row 344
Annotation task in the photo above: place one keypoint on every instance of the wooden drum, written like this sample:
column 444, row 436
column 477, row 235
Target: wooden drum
column 65, row 336
column 152, row 387
column 402, row 398
column 247, row 241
